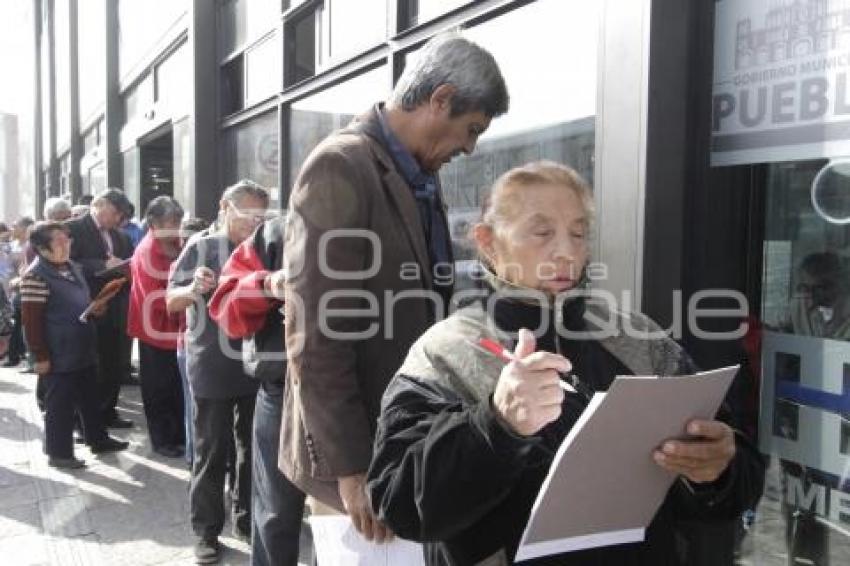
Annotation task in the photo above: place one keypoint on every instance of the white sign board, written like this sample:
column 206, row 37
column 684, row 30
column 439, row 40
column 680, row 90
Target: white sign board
column 781, row 80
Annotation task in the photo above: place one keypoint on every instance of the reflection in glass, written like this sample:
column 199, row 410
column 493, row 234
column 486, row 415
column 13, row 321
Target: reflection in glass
column 416, row 12
column 141, row 25
column 91, row 37
column 831, row 192
column 263, row 70
column 805, row 296
column 63, row 73
column 171, row 82
column 250, row 151
column 355, row 25
column 314, row 117
column 553, row 103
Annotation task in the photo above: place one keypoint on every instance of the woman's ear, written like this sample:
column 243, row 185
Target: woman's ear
column 484, row 238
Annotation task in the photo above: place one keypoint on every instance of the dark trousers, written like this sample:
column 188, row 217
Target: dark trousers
column 17, row 347
column 162, row 395
column 109, row 368
column 220, row 423
column 66, row 392
column 277, row 506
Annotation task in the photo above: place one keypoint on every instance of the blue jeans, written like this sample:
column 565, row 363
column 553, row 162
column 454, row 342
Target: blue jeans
column 277, row 506
column 187, row 405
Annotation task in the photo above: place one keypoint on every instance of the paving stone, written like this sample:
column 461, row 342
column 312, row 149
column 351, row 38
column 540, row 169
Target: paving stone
column 16, row 495
column 24, row 550
column 65, row 516
column 20, row 520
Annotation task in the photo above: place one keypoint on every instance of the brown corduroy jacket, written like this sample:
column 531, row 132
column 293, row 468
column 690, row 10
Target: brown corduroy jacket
column 350, row 211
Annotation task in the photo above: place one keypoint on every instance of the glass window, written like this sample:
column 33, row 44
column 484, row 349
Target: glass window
column 141, row 25
column 138, row 100
column 415, row 12
column 91, row 62
column 243, row 21
column 171, row 89
column 355, row 26
column 62, row 36
column 805, row 364
column 251, row 152
column 263, row 70
column 552, row 104
column 46, row 149
column 131, row 174
column 314, row 117
column 301, row 51
column 182, row 166
column 89, row 140
column 232, row 86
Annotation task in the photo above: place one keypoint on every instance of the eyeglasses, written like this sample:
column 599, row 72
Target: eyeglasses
column 250, row 216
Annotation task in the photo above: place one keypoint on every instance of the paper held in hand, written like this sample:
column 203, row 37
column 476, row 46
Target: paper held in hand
column 604, row 487
column 337, row 543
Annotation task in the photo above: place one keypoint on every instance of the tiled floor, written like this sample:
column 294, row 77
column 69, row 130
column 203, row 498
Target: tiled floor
column 130, row 508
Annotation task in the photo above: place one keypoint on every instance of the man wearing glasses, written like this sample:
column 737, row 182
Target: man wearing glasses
column 223, row 395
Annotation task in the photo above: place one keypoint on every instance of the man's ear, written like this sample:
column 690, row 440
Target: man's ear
column 441, row 98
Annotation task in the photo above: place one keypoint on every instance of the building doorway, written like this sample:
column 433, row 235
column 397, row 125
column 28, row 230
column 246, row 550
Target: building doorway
column 157, row 167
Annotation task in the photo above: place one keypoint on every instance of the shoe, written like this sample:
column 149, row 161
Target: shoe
column 109, row 444
column 11, row 363
column 27, row 369
column 66, row 463
column 207, row 550
column 118, row 422
column 169, row 451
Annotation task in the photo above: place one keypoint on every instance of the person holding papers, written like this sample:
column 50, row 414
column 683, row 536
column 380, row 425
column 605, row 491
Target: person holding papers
column 465, row 439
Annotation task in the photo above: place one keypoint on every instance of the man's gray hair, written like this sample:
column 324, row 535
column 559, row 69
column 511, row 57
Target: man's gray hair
column 55, row 206
column 243, row 188
column 162, row 209
column 116, row 198
column 452, row 59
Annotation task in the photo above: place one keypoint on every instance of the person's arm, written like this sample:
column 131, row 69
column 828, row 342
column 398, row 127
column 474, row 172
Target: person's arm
column 426, row 439
column 188, row 281
column 34, row 296
column 328, row 196
column 240, row 302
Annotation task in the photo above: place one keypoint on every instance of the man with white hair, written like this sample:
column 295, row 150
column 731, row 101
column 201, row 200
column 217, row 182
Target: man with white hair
column 57, row 209
column 368, row 201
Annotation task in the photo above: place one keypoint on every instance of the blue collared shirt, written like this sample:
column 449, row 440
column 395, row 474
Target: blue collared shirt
column 424, row 186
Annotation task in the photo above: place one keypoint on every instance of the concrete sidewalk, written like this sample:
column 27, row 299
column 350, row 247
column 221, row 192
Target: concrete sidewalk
column 122, row 509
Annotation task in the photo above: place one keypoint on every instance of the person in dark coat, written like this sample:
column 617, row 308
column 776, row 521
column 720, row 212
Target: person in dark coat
column 54, row 294
column 464, row 442
column 99, row 246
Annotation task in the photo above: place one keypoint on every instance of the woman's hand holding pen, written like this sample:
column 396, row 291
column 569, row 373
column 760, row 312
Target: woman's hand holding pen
column 702, row 459
column 528, row 394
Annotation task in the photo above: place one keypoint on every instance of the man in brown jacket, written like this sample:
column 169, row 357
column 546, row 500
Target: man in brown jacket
column 369, row 263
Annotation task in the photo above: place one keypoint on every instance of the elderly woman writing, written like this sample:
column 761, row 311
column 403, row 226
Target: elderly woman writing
column 53, row 296
column 464, row 443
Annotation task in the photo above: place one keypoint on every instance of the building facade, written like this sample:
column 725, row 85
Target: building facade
column 10, row 189
column 711, row 189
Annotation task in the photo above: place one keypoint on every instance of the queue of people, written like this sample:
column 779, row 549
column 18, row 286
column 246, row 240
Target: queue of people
column 258, row 364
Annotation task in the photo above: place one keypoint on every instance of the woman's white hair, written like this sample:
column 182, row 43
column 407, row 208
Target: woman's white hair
column 55, row 206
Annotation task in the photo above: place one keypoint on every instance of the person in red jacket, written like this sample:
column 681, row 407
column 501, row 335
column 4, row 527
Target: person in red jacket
column 247, row 304
column 157, row 329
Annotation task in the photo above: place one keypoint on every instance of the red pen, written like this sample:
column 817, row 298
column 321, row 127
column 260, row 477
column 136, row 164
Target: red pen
column 503, row 354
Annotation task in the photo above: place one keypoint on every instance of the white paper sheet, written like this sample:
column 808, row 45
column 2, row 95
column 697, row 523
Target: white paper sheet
column 338, row 543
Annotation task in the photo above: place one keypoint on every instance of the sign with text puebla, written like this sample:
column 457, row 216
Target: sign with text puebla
column 781, row 80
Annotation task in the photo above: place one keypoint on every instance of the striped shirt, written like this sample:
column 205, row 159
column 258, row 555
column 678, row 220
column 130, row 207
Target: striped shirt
column 34, row 295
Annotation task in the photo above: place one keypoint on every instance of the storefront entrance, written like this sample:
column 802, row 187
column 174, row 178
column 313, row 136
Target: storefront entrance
column 157, row 167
